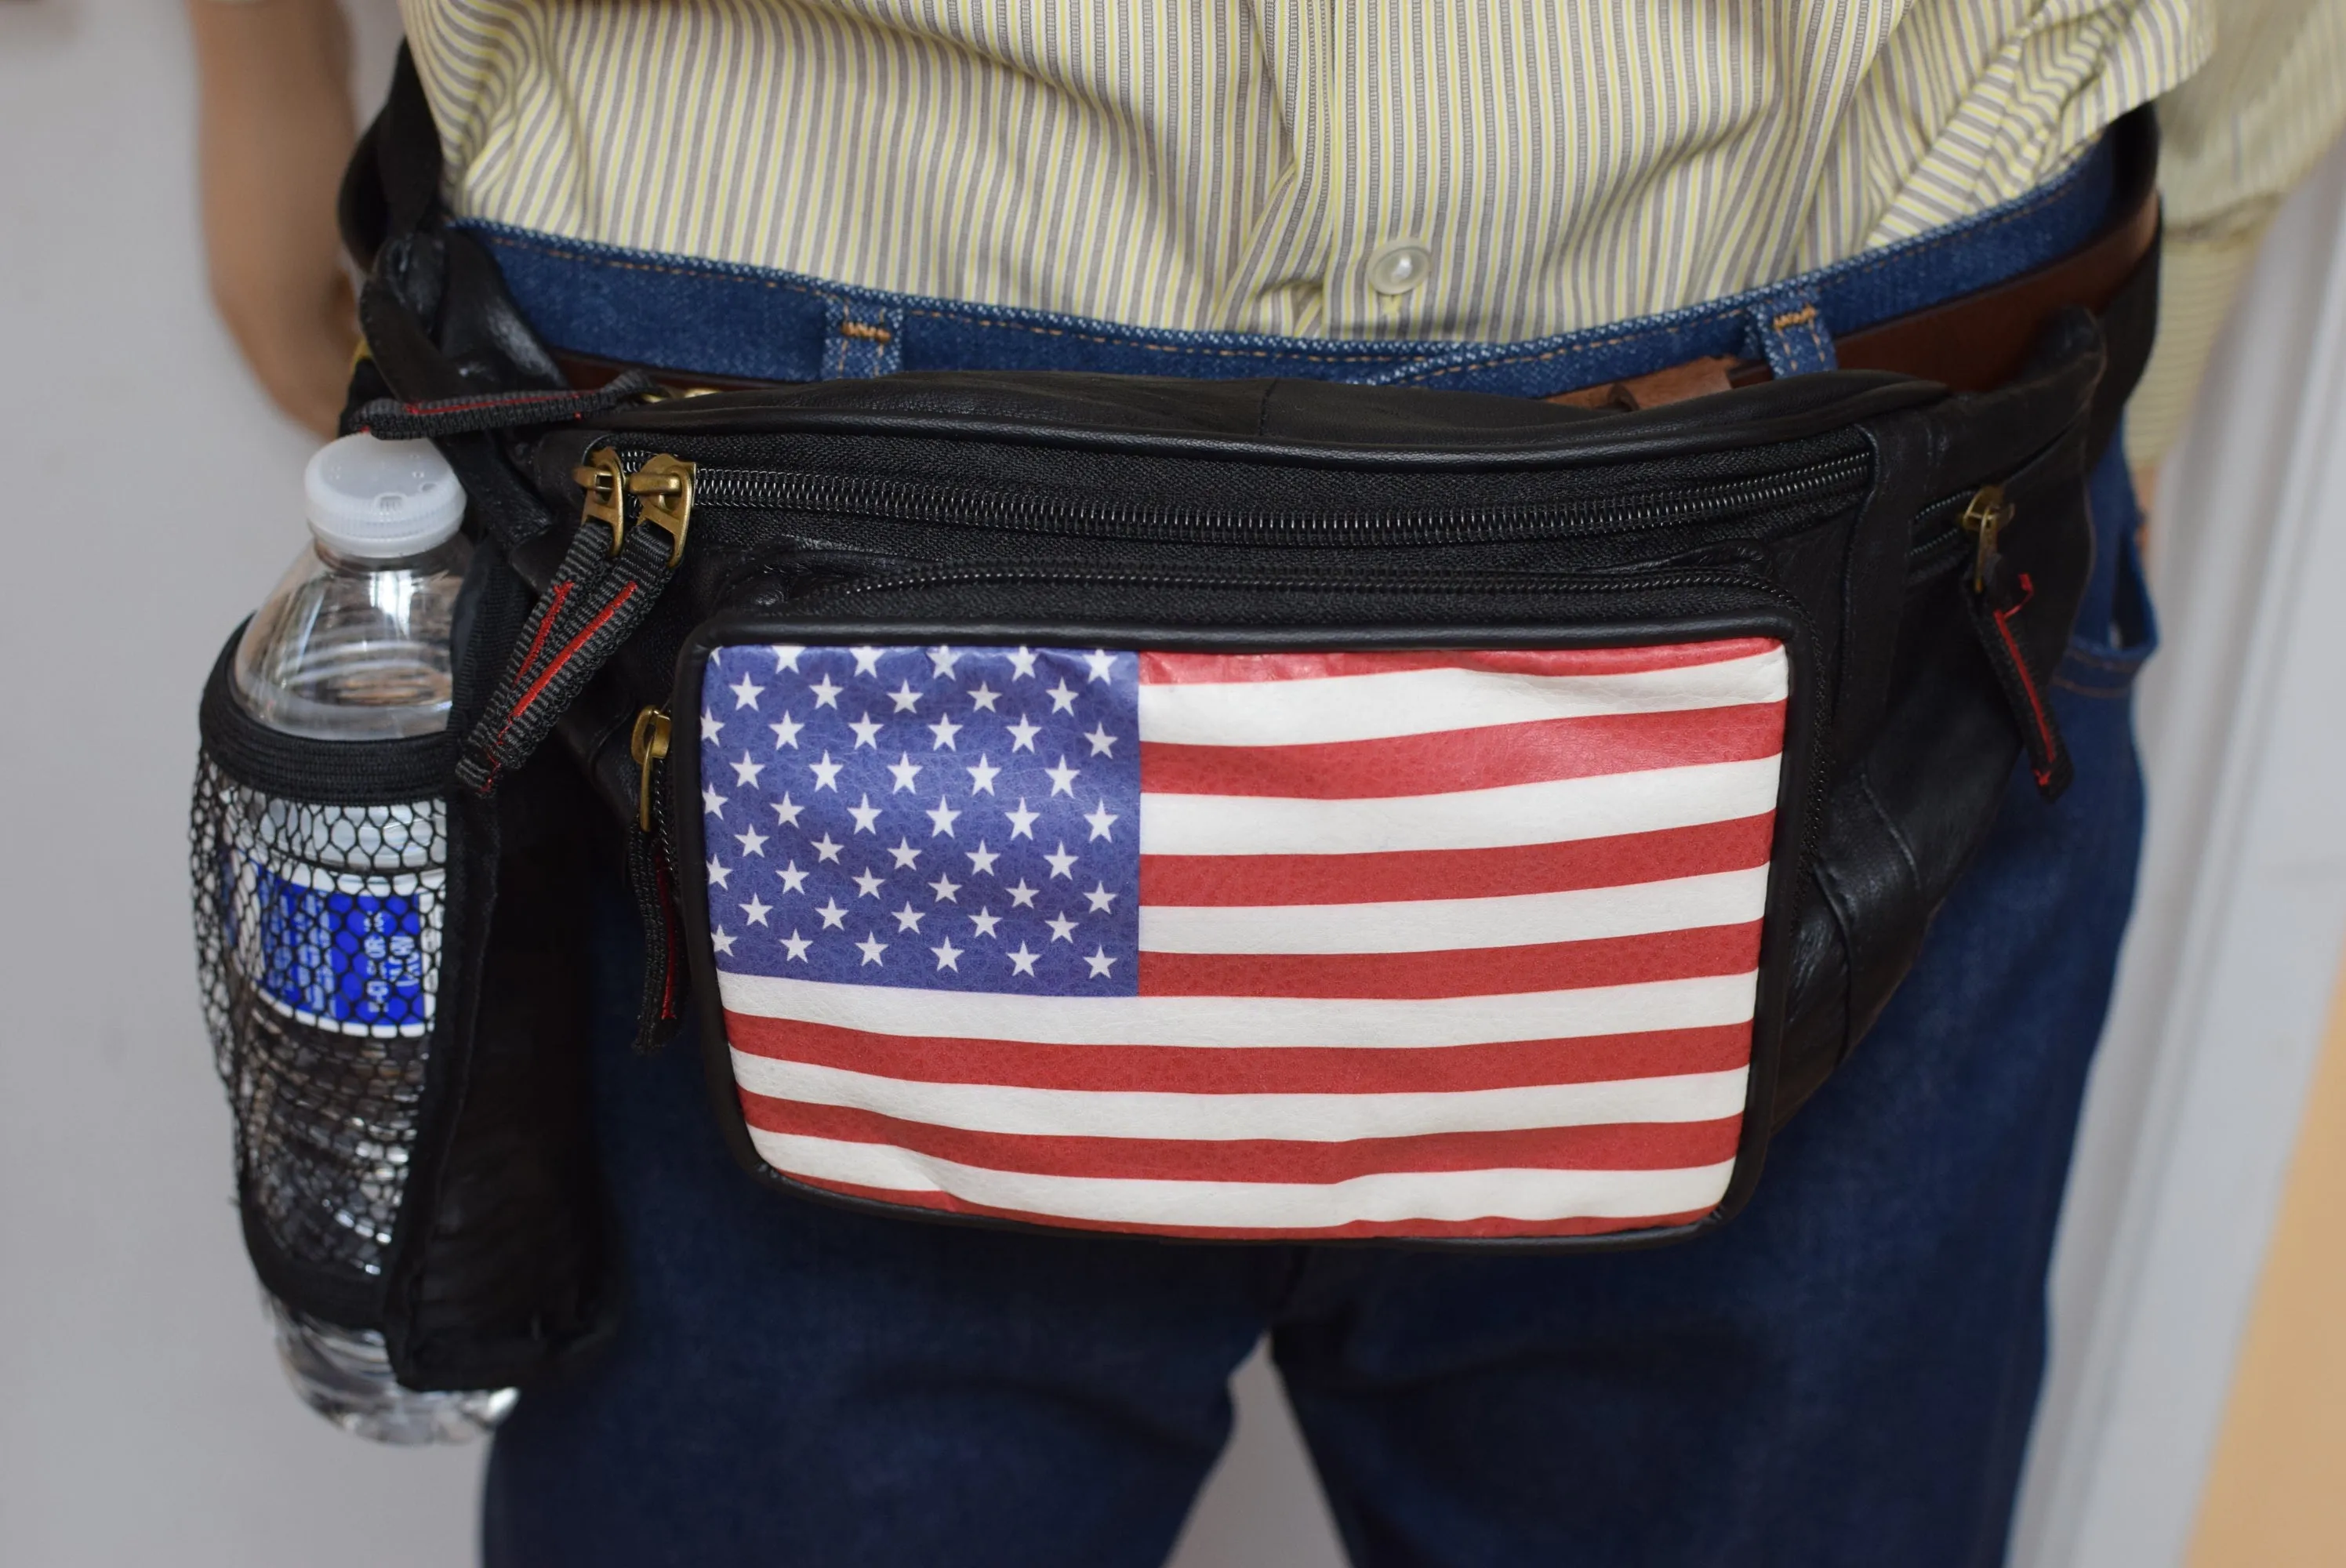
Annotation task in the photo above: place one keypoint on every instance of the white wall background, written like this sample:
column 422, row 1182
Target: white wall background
column 152, row 496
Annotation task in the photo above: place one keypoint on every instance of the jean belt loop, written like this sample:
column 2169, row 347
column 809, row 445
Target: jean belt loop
column 1790, row 327
column 860, row 339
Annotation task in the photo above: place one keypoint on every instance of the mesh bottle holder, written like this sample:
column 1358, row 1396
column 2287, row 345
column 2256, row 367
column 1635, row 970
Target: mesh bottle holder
column 392, row 974
column 318, row 933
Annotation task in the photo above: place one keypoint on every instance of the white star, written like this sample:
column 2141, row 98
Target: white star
column 1023, row 734
column 948, row 955
column 828, row 848
column 745, row 772
column 982, row 776
column 867, row 661
column 786, row 810
column 1099, row 960
column 1022, row 822
column 908, row 918
column 943, row 815
column 786, row 656
column 1022, row 962
column 1063, row 864
column 1062, row 928
column 1103, row 743
column 983, row 696
column 980, row 859
column 1103, row 663
column 985, row 921
column 871, row 947
column 757, row 910
column 832, row 915
column 866, row 815
column 826, row 694
column 1099, row 898
column 752, row 842
column 867, row 732
column 905, row 699
column 1022, row 896
column 793, row 879
column 944, row 888
column 1102, row 819
column 712, row 727
column 1063, row 698
column 722, row 942
column 941, row 661
column 711, row 802
column 797, row 946
column 1021, row 662
column 718, row 871
column 944, row 729
column 867, row 885
column 905, row 854
column 826, row 772
column 786, row 733
column 746, row 693
column 1063, row 778
column 904, row 771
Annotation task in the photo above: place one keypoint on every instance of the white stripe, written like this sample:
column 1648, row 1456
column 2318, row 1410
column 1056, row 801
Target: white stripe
column 1305, row 1118
column 1430, row 701
column 1432, row 925
column 1530, row 1195
column 1248, row 1021
column 1546, row 813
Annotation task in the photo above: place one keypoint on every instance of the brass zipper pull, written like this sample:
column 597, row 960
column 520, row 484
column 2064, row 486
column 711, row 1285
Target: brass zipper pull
column 647, row 744
column 605, row 483
column 1987, row 517
column 664, row 488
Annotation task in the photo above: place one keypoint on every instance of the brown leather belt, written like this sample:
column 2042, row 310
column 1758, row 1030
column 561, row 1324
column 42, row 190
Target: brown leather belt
column 1969, row 343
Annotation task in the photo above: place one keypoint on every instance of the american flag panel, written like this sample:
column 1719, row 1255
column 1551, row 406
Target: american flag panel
column 1292, row 944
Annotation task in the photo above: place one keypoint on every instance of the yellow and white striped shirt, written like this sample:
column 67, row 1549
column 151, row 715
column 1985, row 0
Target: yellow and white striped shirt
column 1470, row 169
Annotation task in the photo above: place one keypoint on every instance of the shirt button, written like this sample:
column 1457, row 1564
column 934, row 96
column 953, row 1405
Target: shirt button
column 1400, row 267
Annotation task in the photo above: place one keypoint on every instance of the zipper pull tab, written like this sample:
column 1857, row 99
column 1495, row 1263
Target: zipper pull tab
column 647, row 745
column 660, row 1004
column 664, row 487
column 605, row 483
column 1986, row 517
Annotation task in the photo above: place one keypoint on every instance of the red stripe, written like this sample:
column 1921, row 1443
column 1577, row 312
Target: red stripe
column 1260, row 1070
column 1624, row 1146
column 569, row 649
column 1246, row 880
column 1423, row 1229
column 544, row 628
column 1482, row 759
column 1214, row 669
column 1458, row 972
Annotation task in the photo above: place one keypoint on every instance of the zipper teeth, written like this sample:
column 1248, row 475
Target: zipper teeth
column 783, row 490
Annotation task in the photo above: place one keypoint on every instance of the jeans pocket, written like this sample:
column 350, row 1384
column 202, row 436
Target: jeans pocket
column 2107, row 666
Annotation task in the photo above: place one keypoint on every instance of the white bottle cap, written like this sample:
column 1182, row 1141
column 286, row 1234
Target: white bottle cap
column 381, row 500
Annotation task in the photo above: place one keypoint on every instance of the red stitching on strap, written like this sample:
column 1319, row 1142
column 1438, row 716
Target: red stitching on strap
column 544, row 627
column 2027, row 683
column 586, row 635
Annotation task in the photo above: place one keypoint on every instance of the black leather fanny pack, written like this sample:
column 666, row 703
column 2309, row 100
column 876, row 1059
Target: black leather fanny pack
column 1244, row 810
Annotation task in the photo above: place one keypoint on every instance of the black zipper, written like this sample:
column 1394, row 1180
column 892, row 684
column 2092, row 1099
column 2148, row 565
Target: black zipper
column 1026, row 511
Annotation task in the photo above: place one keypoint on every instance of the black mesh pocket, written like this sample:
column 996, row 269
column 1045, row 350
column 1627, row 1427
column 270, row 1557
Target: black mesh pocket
column 393, row 975
column 317, row 941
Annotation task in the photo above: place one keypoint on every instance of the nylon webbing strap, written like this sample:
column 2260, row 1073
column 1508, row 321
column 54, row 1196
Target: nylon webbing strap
column 394, row 420
column 594, row 603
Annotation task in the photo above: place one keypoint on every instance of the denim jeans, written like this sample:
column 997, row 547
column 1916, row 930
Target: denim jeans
column 1845, row 1374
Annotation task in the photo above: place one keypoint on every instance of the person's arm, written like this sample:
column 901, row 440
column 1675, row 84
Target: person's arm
column 276, row 127
column 2238, row 138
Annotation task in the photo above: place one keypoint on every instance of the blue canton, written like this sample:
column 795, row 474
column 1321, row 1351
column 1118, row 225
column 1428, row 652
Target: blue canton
column 950, row 818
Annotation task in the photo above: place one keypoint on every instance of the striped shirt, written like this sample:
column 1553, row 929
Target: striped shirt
column 1466, row 169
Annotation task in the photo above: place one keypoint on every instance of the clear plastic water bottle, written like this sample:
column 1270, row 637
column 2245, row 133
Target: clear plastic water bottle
column 338, row 907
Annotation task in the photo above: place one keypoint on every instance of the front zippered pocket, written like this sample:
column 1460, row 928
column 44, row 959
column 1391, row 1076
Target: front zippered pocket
column 1430, row 926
